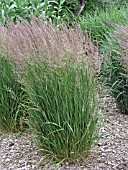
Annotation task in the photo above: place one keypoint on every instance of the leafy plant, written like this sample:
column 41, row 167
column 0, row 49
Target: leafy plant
column 12, row 9
column 53, row 10
column 56, row 12
column 72, row 5
column 63, row 109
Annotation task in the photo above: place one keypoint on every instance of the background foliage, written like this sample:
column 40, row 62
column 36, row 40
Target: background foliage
column 53, row 10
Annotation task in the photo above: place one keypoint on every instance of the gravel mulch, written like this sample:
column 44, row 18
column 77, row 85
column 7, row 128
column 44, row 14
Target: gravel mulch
column 17, row 152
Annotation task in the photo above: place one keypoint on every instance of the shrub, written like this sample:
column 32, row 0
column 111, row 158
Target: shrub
column 11, row 97
column 63, row 109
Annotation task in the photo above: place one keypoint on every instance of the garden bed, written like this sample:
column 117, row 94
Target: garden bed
column 18, row 152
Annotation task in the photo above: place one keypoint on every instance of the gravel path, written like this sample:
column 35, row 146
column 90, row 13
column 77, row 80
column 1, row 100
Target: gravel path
column 17, row 152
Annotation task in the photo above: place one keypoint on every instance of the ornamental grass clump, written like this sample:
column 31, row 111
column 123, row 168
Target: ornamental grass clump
column 63, row 110
column 117, row 69
column 31, row 40
column 121, row 92
column 11, row 96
